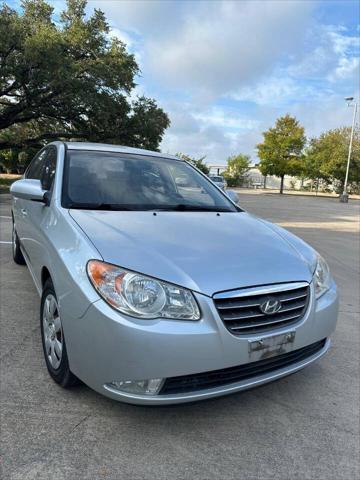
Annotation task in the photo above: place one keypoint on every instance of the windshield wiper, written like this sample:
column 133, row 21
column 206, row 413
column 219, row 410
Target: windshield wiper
column 100, row 206
column 182, row 207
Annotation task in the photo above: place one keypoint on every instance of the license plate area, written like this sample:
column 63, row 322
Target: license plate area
column 267, row 347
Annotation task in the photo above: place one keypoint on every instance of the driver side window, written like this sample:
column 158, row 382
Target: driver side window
column 48, row 176
column 36, row 168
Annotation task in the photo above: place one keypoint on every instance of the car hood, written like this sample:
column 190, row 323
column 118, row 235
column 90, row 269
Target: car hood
column 203, row 251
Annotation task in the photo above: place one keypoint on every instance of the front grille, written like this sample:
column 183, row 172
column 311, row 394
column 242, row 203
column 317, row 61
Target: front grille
column 242, row 314
column 218, row 378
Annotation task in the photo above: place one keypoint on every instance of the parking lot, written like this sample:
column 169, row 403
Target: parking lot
column 305, row 426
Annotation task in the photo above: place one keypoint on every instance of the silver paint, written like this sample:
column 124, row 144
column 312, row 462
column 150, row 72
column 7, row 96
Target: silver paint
column 206, row 253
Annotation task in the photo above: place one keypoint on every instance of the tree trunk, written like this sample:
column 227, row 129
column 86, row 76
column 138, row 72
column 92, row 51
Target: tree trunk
column 282, row 184
column 265, row 182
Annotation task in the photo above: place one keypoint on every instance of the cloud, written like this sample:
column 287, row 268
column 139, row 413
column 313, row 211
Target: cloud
column 327, row 113
column 226, row 70
column 228, row 119
column 216, row 132
column 217, row 135
column 331, row 54
column 277, row 90
column 213, row 47
column 121, row 35
column 143, row 17
column 224, row 45
column 347, row 68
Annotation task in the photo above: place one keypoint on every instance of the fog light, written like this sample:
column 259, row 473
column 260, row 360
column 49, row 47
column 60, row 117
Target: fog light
column 138, row 387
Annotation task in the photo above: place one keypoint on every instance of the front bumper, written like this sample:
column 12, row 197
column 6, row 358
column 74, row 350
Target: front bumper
column 106, row 346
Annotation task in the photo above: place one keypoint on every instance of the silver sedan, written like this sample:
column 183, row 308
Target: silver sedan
column 219, row 181
column 155, row 286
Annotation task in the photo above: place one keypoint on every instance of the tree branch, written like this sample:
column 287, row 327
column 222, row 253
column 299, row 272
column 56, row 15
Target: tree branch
column 6, row 144
column 8, row 89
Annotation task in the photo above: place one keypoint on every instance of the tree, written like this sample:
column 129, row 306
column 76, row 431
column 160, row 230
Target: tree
column 197, row 162
column 237, row 167
column 281, row 151
column 67, row 79
column 7, row 161
column 311, row 166
column 327, row 157
column 14, row 160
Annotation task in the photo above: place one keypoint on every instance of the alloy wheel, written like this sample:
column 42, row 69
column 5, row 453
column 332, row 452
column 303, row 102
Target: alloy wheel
column 53, row 334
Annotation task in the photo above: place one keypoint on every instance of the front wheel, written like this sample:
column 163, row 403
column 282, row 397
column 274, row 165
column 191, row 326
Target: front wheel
column 16, row 251
column 53, row 340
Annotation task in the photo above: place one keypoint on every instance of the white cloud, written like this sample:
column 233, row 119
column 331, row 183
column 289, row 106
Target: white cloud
column 333, row 54
column 276, row 90
column 226, row 119
column 225, row 70
column 216, row 132
column 346, row 68
column 210, row 137
column 121, row 35
column 332, row 63
column 213, row 47
column 140, row 16
column 342, row 42
column 328, row 113
column 223, row 45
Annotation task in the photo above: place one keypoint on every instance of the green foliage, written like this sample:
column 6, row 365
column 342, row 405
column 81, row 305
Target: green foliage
column 69, row 80
column 326, row 157
column 15, row 161
column 23, row 160
column 197, row 162
column 7, row 161
column 312, row 163
column 237, row 167
column 281, row 151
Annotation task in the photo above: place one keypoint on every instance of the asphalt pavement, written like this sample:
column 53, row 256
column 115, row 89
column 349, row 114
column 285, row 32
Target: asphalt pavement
column 305, row 426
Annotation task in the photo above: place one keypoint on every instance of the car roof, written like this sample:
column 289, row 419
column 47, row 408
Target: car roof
column 105, row 147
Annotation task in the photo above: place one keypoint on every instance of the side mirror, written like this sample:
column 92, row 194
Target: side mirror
column 29, row 189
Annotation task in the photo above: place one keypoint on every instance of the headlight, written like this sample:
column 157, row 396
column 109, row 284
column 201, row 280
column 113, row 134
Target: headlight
column 141, row 296
column 322, row 277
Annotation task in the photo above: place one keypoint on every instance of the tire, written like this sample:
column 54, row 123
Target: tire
column 53, row 340
column 16, row 252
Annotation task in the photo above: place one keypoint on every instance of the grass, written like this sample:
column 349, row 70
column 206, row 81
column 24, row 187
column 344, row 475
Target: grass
column 6, row 179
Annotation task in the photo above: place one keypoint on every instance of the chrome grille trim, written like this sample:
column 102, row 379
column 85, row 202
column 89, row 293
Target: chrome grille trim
column 264, row 289
column 262, row 324
column 240, row 309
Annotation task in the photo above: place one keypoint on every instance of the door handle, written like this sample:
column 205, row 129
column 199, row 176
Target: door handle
column 24, row 212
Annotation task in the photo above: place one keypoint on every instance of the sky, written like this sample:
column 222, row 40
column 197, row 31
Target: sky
column 224, row 71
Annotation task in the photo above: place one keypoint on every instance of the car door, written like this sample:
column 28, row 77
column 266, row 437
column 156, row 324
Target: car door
column 37, row 215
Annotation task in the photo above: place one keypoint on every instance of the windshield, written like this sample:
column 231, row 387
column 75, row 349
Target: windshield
column 117, row 181
column 217, row 179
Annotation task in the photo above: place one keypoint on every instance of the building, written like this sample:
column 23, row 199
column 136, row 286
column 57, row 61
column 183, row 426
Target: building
column 217, row 169
column 255, row 179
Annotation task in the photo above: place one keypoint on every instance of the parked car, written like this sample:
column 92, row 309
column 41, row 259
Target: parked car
column 234, row 197
column 121, row 242
column 219, row 181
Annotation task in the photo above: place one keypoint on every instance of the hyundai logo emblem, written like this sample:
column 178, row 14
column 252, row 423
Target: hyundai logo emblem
column 270, row 306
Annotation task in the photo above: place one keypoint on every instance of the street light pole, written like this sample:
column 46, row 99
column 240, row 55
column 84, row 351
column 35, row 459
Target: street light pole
column 345, row 197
